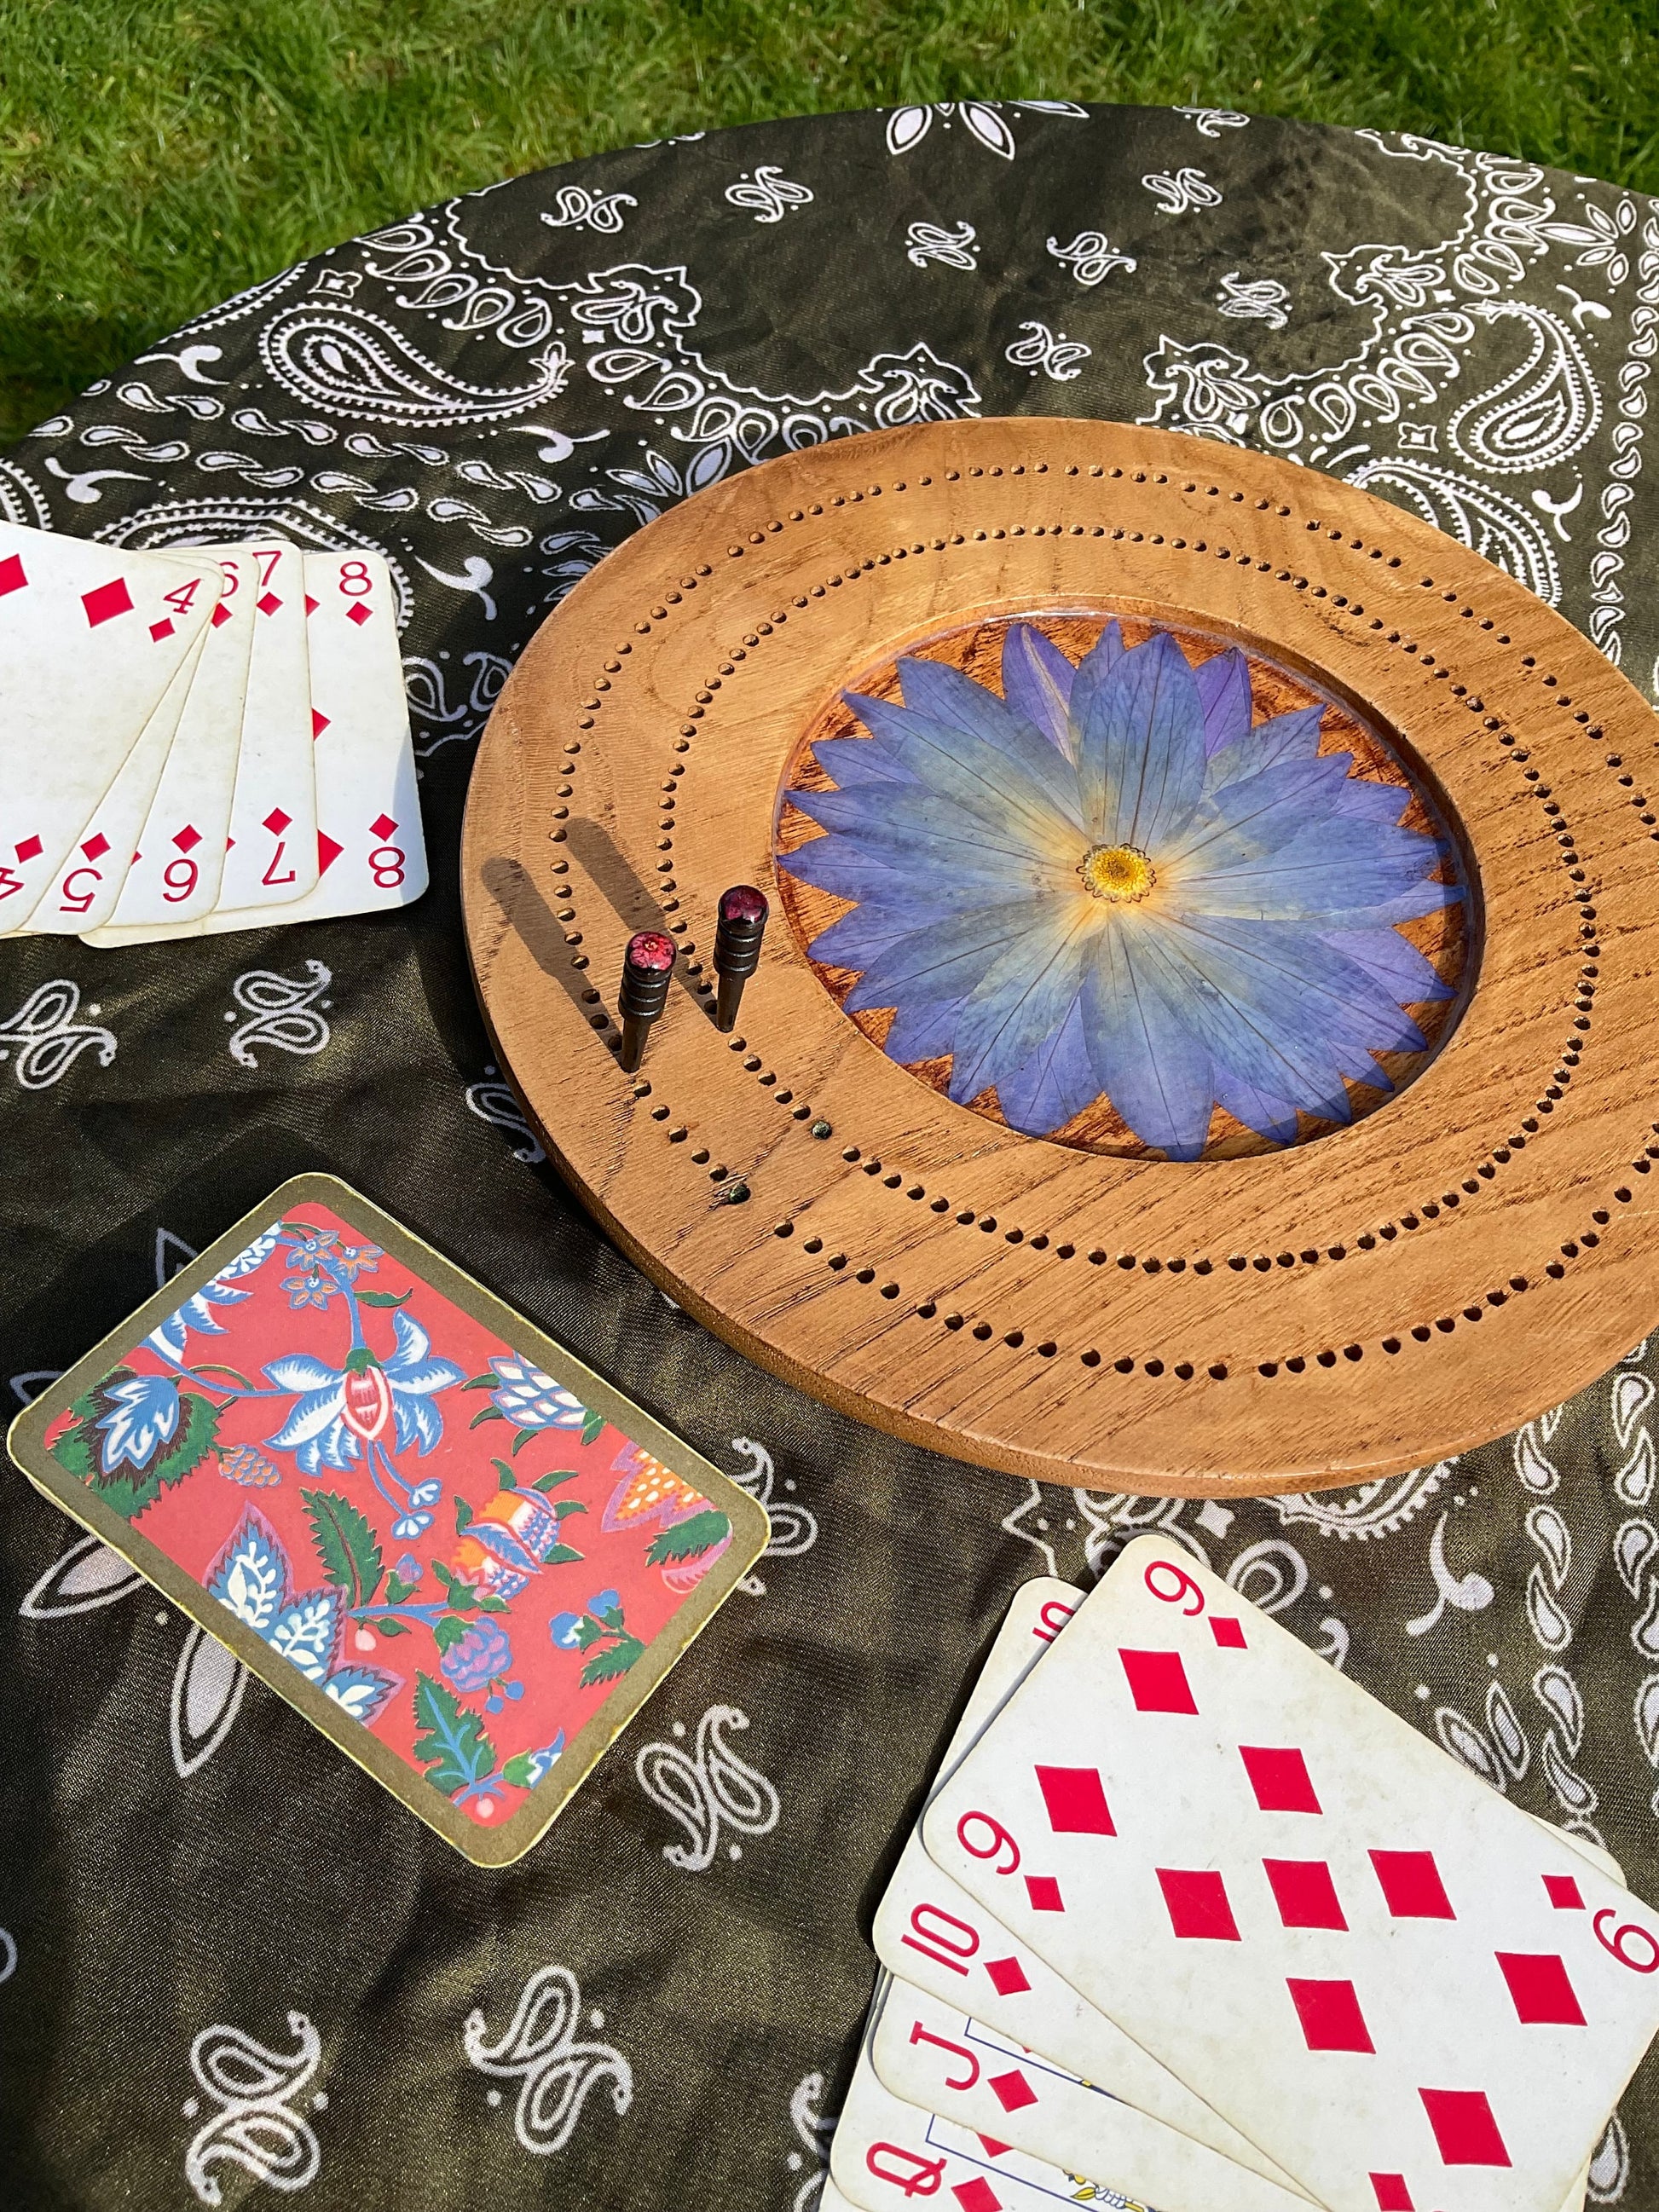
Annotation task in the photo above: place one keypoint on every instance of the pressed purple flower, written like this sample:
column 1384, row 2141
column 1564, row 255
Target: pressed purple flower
column 1109, row 881
column 475, row 1660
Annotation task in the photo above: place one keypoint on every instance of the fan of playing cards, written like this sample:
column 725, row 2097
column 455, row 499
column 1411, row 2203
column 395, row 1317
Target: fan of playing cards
column 211, row 738
column 1193, row 1916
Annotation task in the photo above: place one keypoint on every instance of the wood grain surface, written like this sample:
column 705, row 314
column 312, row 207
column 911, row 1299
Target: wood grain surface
column 1443, row 1269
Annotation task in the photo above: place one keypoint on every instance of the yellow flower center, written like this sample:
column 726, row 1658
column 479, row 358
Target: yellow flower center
column 1122, row 873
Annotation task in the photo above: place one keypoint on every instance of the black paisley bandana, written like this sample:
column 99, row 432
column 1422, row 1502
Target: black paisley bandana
column 229, row 1968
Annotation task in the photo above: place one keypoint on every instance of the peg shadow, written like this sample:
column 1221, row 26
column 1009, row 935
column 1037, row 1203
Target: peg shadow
column 527, row 912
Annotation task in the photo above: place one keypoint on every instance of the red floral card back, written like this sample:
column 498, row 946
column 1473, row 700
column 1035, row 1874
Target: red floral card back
column 417, row 1517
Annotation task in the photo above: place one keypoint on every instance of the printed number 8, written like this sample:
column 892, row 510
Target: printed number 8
column 1184, row 1586
column 354, row 579
column 1621, row 1935
column 1000, row 1841
column 387, row 866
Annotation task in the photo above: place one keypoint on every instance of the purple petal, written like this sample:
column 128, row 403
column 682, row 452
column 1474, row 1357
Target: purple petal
column 1024, row 778
column 1036, row 683
column 1287, row 736
column 1394, row 961
column 1223, row 693
column 946, row 695
column 1154, row 1069
column 1057, row 1080
column 949, row 959
column 1141, row 760
column 1247, row 820
column 855, row 760
column 1267, row 1116
column 1022, row 998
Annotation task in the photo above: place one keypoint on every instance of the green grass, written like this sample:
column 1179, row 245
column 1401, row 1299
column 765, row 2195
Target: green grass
column 157, row 156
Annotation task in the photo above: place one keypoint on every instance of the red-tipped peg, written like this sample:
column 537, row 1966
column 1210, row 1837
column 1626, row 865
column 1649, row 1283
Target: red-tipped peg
column 647, row 971
column 738, row 929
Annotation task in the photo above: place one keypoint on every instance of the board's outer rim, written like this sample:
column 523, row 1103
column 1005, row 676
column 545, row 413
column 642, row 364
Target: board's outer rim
column 1363, row 1463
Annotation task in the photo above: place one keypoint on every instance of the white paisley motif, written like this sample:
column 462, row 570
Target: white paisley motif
column 1262, row 299
column 954, row 248
column 1211, row 122
column 254, row 2127
column 1607, row 593
column 207, row 1695
column 794, row 1529
column 21, row 498
column 1271, row 1575
column 813, row 2129
column 8, row 1955
column 1610, row 2168
column 769, row 192
column 580, row 210
column 555, row 2071
column 441, row 719
column 493, row 1101
column 1370, row 1509
column 1051, row 352
column 983, row 119
column 1179, row 192
column 1542, row 413
column 84, row 1579
column 1469, row 1592
column 281, row 1010
column 345, row 360
column 1488, row 521
column 1033, row 1502
column 47, row 1037
column 707, row 1789
column 1089, row 257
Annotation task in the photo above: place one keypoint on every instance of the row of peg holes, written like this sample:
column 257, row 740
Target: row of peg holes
column 1367, row 1241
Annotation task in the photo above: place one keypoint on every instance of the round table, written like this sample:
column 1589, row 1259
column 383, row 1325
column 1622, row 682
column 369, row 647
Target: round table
column 203, row 1909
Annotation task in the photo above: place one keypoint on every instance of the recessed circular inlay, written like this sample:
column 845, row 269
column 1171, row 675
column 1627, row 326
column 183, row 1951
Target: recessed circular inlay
column 1119, row 883
column 1340, row 1301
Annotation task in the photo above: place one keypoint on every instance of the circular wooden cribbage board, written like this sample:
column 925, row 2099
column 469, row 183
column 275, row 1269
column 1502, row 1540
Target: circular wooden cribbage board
column 1456, row 1259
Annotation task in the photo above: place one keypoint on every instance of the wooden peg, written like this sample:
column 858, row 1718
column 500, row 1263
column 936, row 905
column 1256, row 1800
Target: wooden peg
column 738, row 933
column 647, row 970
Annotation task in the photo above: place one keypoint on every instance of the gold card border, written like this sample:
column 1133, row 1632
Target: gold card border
column 751, row 1529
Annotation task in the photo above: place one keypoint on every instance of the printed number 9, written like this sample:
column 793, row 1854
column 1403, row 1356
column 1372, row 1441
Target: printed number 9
column 1000, row 1840
column 1620, row 1936
column 180, row 886
column 1184, row 1586
column 355, row 580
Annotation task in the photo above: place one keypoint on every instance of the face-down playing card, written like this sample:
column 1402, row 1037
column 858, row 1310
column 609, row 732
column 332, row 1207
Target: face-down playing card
column 455, row 1548
column 174, row 877
column 1403, row 1990
column 90, row 638
column 1147, row 2132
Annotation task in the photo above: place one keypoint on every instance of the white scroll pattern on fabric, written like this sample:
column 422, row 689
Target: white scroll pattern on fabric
column 955, row 248
column 769, row 193
column 44, row 1039
column 1089, row 257
column 1050, row 353
column 255, row 2127
column 8, row 1955
column 492, row 1101
column 284, row 1010
column 1179, row 192
column 707, row 1789
column 580, row 210
column 1607, row 593
column 794, row 1527
column 539, row 2050
column 813, row 2130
